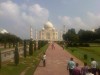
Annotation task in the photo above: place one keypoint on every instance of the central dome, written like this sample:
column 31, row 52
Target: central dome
column 48, row 24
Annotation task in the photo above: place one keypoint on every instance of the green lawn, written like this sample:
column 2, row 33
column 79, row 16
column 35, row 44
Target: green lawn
column 29, row 61
column 94, row 44
column 89, row 51
column 1, row 49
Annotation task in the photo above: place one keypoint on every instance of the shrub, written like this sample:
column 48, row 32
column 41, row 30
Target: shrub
column 85, row 56
column 72, row 50
column 31, row 48
column 34, row 45
column 16, row 55
column 0, row 59
column 25, row 48
column 75, row 45
column 86, row 45
column 41, row 43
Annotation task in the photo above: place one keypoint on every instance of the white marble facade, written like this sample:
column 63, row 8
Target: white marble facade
column 48, row 32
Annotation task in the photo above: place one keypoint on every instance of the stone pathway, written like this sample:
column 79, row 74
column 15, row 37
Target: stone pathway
column 56, row 62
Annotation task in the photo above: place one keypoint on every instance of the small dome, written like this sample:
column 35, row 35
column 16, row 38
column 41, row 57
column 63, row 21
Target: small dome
column 42, row 28
column 48, row 24
column 53, row 28
column 3, row 31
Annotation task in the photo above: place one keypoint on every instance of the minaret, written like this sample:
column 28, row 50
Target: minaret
column 36, row 35
column 36, row 38
column 31, row 35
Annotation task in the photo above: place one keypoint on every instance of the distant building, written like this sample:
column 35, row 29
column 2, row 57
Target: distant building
column 3, row 31
column 48, row 32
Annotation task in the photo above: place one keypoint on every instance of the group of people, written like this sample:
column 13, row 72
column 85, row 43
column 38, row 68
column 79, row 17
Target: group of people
column 74, row 68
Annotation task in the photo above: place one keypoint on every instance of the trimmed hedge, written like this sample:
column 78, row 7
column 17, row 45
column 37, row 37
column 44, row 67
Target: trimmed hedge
column 78, row 45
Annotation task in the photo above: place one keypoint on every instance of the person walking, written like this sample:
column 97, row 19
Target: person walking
column 76, row 70
column 44, row 60
column 70, row 66
column 84, row 69
column 53, row 46
column 93, row 66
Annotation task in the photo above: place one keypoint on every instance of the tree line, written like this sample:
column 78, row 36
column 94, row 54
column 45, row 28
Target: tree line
column 10, row 39
column 83, row 36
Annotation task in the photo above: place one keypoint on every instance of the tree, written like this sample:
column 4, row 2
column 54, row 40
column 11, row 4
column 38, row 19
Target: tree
column 16, row 55
column 25, row 48
column 31, row 48
column 9, row 38
column 86, row 36
column 0, row 60
column 71, row 36
column 97, row 31
column 34, row 45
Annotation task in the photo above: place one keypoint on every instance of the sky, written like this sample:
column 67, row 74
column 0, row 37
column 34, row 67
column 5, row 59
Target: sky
column 16, row 16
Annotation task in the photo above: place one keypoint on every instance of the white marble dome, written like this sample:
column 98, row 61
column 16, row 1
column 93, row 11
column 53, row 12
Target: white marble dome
column 48, row 24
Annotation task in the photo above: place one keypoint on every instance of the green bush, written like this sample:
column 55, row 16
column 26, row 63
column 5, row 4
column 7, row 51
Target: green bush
column 85, row 56
column 25, row 48
column 78, row 45
column 31, row 48
column 16, row 55
column 41, row 43
column 0, row 59
column 34, row 45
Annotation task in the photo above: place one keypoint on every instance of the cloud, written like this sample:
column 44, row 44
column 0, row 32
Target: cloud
column 91, row 21
column 76, row 22
column 65, row 19
column 94, row 19
column 15, row 18
column 38, row 10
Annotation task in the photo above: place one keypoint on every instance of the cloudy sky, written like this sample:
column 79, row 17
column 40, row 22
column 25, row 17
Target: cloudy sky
column 16, row 16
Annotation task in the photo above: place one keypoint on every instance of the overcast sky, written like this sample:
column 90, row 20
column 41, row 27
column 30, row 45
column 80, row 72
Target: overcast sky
column 16, row 16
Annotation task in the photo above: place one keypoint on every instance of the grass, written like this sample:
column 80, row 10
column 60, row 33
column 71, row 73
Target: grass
column 2, row 49
column 12, row 69
column 91, row 52
column 29, row 61
column 95, row 44
column 37, row 57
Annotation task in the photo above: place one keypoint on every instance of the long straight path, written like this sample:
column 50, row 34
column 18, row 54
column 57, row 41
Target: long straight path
column 56, row 62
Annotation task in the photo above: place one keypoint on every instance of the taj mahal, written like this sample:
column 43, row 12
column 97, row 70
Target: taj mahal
column 48, row 32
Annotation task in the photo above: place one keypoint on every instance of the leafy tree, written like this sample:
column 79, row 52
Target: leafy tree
column 9, row 38
column 71, row 36
column 97, row 31
column 86, row 36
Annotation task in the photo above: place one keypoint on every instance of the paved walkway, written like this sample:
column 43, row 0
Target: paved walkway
column 56, row 62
